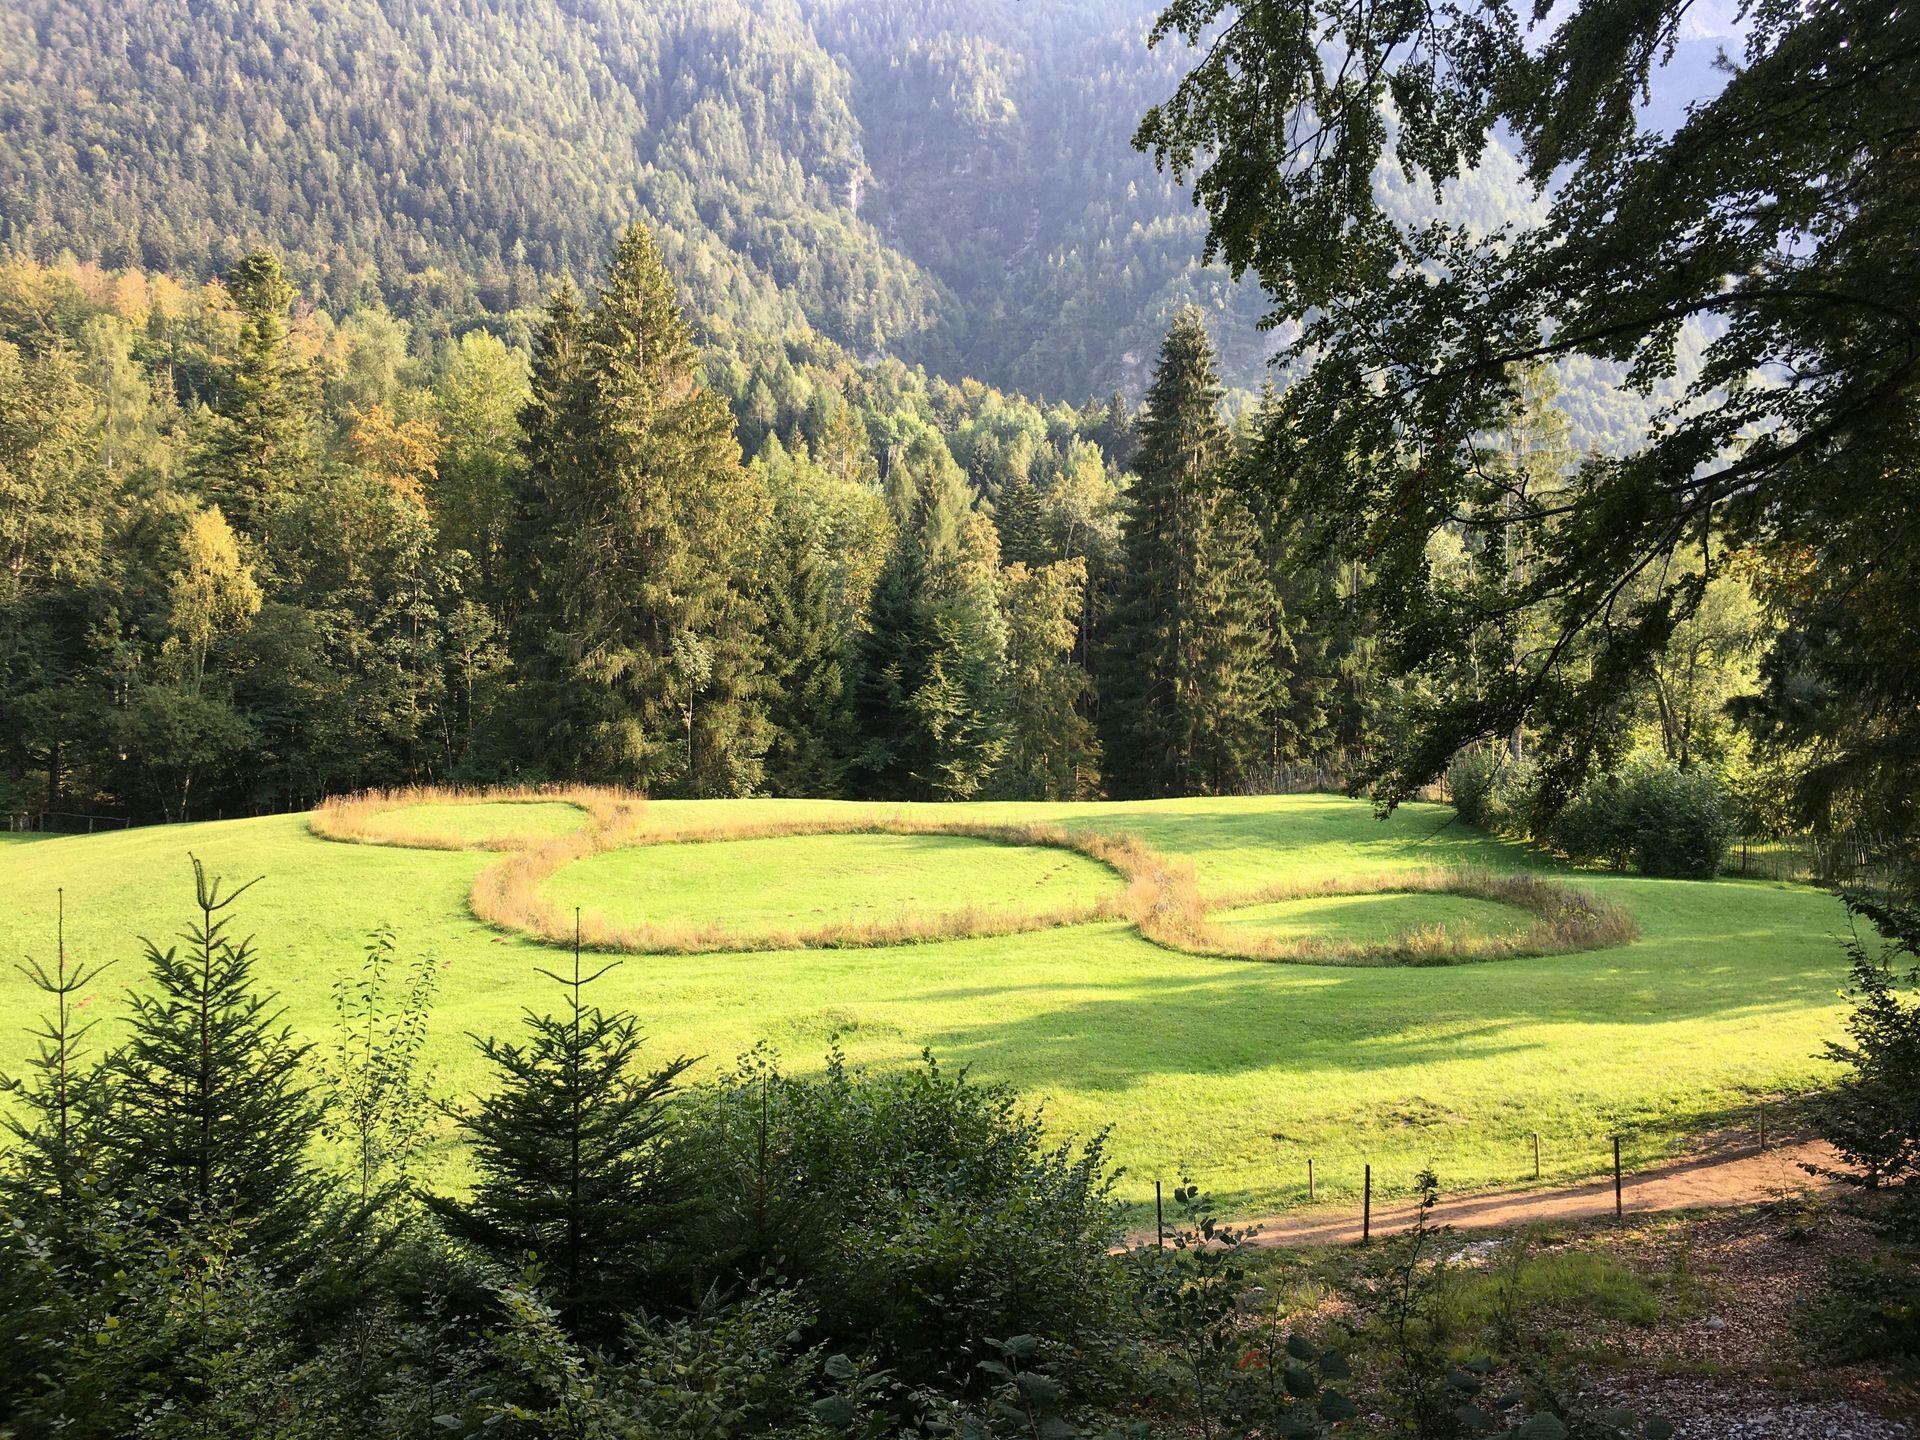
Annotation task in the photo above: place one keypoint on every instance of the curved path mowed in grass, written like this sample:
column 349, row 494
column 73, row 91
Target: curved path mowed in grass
column 1230, row 1072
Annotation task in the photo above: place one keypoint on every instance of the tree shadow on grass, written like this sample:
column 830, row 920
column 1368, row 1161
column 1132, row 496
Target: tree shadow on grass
column 1318, row 1019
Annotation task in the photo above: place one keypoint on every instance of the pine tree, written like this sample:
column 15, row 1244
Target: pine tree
column 256, row 445
column 1151, row 708
column 891, row 654
column 1021, row 520
column 572, row 1159
column 643, row 520
column 211, row 1119
column 928, row 705
column 61, row 1107
column 1295, row 722
column 807, row 714
column 1236, row 678
column 1051, row 750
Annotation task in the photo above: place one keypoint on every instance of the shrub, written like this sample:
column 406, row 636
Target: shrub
column 1652, row 816
column 1472, row 780
column 918, row 1213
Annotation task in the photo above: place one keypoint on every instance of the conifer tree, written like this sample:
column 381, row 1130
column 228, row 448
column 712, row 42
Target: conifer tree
column 211, row 1119
column 61, row 1106
column 1178, row 659
column 807, row 714
column 928, row 704
column 1051, row 750
column 890, row 664
column 1236, row 676
column 572, row 1159
column 256, row 444
column 643, row 523
column 1020, row 518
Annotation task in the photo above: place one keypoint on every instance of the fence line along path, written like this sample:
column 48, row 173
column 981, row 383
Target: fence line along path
column 1701, row 1182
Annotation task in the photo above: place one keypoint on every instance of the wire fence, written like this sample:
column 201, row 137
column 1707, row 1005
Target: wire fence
column 1343, row 1189
column 71, row 822
column 1852, row 859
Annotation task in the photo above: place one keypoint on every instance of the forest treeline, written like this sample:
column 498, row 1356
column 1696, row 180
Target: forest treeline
column 258, row 554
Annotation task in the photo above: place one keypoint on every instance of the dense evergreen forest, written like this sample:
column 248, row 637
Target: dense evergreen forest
column 258, row 554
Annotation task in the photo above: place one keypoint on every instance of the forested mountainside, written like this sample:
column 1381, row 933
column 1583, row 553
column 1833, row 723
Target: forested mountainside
column 950, row 183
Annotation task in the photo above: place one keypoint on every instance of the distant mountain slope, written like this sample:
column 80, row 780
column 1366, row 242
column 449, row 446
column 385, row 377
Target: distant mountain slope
column 948, row 181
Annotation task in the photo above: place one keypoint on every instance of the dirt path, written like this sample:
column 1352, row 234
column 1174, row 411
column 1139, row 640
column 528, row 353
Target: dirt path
column 1711, row 1180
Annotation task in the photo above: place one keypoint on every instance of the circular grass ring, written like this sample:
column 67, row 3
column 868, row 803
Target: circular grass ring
column 1565, row 920
column 364, row 819
column 508, row 896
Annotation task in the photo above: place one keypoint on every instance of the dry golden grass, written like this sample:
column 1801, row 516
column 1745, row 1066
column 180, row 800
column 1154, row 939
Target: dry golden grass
column 508, row 895
column 1566, row 920
column 356, row 819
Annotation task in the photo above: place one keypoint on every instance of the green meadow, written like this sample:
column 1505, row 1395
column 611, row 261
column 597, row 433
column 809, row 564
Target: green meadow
column 1230, row 1073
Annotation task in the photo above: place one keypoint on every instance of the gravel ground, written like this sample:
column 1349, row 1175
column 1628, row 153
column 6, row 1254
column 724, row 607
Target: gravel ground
column 1714, row 1410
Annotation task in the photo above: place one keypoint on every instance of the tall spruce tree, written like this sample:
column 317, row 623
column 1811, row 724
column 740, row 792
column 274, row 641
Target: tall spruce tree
column 1187, row 675
column 210, row 1119
column 890, row 665
column 643, row 523
column 807, row 716
column 1236, row 658
column 256, row 444
column 1019, row 515
column 929, row 702
column 551, row 710
column 572, row 1159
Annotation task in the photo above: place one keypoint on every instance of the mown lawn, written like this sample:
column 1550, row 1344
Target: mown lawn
column 1228, row 1072
column 772, row 885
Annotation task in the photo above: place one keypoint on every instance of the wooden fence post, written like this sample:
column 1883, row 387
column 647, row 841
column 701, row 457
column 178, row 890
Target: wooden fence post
column 1310, row 1194
column 1366, row 1207
column 1159, row 1220
column 1618, row 1203
column 1536, row 1154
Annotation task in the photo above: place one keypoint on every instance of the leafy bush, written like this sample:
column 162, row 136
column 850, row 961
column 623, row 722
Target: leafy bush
column 916, row 1213
column 1653, row 817
column 1491, row 790
column 1472, row 781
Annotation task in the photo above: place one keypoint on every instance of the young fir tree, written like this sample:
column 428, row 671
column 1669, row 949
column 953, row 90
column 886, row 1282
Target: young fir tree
column 1296, row 719
column 807, row 715
column 60, row 1107
column 640, row 554
column 1187, row 675
column 573, row 1163
column 211, row 1120
column 257, row 442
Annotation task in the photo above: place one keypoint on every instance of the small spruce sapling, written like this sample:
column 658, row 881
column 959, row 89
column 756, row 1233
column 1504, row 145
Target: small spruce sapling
column 62, row 1104
column 211, row 1117
column 573, row 1160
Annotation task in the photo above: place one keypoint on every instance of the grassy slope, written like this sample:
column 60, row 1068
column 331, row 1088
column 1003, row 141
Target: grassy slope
column 1197, row 1065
